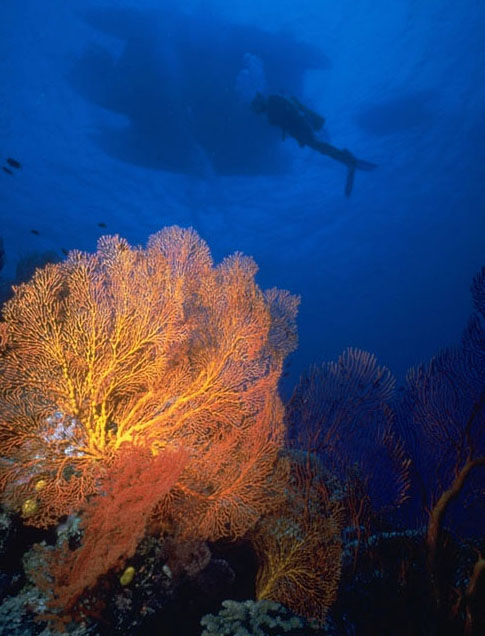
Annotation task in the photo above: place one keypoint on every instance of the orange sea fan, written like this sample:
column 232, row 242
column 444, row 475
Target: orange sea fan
column 153, row 347
column 299, row 546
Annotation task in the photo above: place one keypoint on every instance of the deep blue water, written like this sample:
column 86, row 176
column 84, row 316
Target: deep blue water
column 138, row 117
column 123, row 118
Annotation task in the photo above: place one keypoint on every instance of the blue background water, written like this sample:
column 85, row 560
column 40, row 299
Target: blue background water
column 137, row 116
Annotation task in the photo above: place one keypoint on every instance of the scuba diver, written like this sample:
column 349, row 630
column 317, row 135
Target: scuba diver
column 301, row 123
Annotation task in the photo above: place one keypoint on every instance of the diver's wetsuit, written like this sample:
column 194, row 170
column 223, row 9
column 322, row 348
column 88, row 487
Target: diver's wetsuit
column 299, row 122
column 292, row 121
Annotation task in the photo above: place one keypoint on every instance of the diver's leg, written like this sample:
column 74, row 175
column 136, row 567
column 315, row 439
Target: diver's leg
column 344, row 156
column 350, row 181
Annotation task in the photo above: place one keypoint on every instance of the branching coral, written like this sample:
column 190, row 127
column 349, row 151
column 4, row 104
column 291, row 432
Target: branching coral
column 341, row 411
column 155, row 348
column 339, row 436
column 443, row 412
column 299, row 546
column 113, row 524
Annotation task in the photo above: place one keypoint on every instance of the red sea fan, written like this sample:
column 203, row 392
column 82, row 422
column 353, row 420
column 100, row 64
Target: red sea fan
column 113, row 523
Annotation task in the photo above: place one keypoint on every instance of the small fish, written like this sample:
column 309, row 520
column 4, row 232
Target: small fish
column 14, row 163
column 64, row 251
column 7, row 170
column 36, row 232
column 102, row 224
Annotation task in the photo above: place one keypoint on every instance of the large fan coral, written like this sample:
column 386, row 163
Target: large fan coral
column 151, row 347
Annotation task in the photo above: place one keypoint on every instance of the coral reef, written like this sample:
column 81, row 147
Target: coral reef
column 140, row 389
column 255, row 618
column 140, row 419
column 147, row 347
column 299, row 545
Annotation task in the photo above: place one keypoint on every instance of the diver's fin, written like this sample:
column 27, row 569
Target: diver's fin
column 350, row 180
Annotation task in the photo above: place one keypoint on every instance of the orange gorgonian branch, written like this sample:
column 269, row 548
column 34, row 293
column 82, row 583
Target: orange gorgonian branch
column 299, row 547
column 149, row 347
column 112, row 525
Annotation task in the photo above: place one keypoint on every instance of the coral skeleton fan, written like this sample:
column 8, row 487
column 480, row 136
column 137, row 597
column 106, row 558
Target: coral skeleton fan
column 144, row 347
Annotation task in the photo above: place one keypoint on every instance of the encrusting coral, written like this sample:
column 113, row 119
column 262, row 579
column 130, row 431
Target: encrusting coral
column 250, row 618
